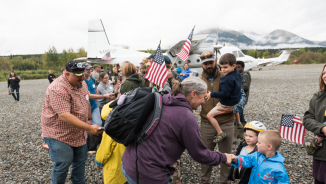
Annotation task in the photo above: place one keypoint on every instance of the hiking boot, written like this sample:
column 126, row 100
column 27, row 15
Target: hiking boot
column 312, row 147
column 239, row 126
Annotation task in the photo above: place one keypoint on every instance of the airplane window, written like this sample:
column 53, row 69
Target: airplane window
column 198, row 60
column 235, row 53
column 179, row 62
column 240, row 54
column 188, row 61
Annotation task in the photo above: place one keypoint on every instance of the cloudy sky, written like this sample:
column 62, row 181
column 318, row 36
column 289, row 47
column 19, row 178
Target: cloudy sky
column 31, row 27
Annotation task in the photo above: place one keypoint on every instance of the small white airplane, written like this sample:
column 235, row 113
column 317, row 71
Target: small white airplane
column 275, row 61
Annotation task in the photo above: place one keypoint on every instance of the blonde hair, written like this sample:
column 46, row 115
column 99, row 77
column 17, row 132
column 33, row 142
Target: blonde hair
column 128, row 69
column 272, row 137
column 145, row 59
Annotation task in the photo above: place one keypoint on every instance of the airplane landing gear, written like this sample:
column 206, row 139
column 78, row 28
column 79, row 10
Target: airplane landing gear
column 260, row 69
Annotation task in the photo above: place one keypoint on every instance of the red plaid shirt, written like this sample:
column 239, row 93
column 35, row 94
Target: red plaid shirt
column 62, row 97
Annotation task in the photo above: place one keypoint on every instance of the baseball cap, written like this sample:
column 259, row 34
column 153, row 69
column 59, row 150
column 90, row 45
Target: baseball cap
column 95, row 66
column 87, row 66
column 207, row 56
column 167, row 59
column 75, row 67
column 151, row 56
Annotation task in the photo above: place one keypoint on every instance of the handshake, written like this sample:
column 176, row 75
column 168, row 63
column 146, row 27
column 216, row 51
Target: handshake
column 231, row 157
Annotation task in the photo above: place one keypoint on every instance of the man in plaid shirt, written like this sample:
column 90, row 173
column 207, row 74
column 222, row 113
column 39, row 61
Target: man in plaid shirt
column 65, row 119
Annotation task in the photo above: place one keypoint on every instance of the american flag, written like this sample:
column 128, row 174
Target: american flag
column 291, row 128
column 184, row 52
column 157, row 72
column 107, row 57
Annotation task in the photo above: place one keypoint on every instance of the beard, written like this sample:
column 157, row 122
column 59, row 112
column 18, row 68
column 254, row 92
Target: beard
column 210, row 71
column 79, row 85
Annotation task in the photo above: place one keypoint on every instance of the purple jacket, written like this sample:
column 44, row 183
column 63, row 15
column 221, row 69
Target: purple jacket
column 178, row 130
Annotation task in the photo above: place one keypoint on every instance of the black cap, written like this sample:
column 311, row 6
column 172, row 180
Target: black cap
column 75, row 67
column 167, row 59
column 151, row 56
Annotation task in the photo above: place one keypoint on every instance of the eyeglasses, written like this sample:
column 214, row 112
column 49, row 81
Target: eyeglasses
column 105, row 77
column 206, row 55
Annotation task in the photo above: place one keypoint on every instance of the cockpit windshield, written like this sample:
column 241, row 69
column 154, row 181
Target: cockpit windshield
column 235, row 53
column 240, row 54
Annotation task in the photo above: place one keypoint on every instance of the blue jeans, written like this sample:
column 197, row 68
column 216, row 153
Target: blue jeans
column 13, row 94
column 242, row 119
column 96, row 117
column 63, row 156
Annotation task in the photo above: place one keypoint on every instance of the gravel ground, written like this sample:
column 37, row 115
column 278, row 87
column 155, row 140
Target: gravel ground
column 285, row 90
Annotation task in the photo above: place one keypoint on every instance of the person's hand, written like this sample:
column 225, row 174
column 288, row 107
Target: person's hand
column 93, row 130
column 323, row 130
column 234, row 158
column 224, row 111
column 12, row 77
column 228, row 158
column 208, row 96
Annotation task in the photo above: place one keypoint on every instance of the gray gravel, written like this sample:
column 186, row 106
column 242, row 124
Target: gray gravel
column 285, row 90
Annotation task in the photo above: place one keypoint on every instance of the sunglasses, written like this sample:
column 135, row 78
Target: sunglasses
column 206, row 55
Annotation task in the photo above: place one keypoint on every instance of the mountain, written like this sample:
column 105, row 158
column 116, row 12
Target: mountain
column 229, row 36
column 251, row 40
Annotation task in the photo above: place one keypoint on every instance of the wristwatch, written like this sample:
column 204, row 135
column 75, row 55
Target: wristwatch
column 89, row 119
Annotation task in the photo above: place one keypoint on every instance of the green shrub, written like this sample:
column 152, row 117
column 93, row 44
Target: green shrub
column 28, row 72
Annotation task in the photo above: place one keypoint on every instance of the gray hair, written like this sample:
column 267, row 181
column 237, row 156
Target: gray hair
column 189, row 85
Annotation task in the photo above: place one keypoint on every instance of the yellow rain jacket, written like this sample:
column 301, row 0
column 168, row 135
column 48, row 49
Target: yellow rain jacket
column 109, row 156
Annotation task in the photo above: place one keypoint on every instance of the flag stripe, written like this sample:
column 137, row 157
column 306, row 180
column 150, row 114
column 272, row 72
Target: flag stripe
column 183, row 54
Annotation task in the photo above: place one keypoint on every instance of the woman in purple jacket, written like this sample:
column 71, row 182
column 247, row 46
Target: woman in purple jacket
column 178, row 130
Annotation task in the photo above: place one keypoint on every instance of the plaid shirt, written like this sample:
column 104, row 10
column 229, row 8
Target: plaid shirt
column 62, row 97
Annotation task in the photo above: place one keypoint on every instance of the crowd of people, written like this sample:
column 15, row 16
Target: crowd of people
column 74, row 101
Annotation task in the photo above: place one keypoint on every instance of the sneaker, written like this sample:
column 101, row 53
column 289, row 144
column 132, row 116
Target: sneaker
column 312, row 147
column 239, row 126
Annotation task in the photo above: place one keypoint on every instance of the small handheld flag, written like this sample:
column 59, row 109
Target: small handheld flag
column 157, row 72
column 184, row 52
column 291, row 128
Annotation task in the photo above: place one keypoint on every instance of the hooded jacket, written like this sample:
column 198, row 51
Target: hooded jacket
column 132, row 82
column 244, row 174
column 172, row 136
column 211, row 103
column 314, row 118
column 13, row 83
column 264, row 170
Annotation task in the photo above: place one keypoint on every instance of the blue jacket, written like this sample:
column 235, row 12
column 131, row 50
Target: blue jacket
column 178, row 70
column 229, row 90
column 185, row 72
column 264, row 170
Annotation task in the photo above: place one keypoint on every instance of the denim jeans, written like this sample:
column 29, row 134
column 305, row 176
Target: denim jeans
column 13, row 94
column 242, row 119
column 103, row 121
column 96, row 117
column 63, row 156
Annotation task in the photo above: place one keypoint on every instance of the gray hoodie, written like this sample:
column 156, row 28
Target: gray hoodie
column 178, row 130
column 102, row 90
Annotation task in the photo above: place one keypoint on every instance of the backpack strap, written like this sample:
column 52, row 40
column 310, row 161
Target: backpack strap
column 158, row 106
column 93, row 80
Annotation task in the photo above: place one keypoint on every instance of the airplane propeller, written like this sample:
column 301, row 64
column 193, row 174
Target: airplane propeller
column 217, row 46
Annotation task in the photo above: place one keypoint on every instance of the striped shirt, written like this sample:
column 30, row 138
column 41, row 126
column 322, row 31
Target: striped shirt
column 61, row 97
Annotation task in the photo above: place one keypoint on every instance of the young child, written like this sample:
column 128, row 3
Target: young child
column 229, row 93
column 109, row 156
column 315, row 144
column 248, row 146
column 267, row 163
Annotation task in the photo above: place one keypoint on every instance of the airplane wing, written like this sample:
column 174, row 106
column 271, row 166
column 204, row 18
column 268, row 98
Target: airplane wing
column 196, row 40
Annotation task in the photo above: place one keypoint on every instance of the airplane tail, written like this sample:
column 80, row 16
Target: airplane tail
column 285, row 55
column 98, row 43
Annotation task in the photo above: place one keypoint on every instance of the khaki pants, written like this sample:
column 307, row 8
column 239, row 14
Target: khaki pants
column 208, row 132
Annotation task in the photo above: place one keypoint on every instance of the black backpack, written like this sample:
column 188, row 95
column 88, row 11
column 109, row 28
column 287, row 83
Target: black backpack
column 125, row 122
